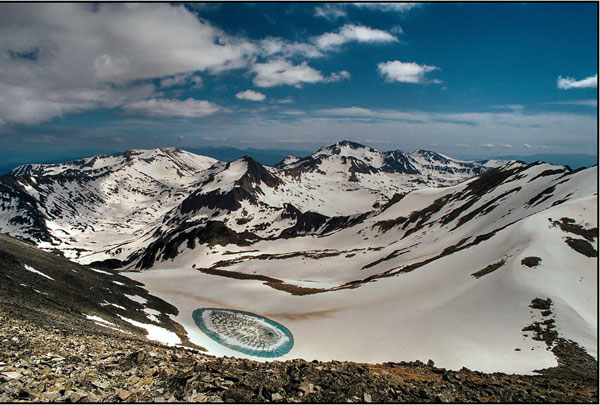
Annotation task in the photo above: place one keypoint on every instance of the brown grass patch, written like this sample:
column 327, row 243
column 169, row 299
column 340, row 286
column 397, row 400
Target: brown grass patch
column 406, row 373
column 294, row 289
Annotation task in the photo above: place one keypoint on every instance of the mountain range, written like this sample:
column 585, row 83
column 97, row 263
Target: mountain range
column 127, row 201
column 363, row 255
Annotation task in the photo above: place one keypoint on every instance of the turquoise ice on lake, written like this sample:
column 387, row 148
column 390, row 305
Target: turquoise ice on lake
column 244, row 332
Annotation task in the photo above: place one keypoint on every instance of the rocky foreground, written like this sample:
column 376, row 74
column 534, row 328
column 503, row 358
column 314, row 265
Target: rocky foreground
column 68, row 364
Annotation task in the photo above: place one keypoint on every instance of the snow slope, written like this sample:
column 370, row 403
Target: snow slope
column 437, row 275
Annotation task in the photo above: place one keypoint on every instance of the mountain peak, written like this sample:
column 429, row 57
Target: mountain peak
column 340, row 148
column 255, row 174
column 351, row 144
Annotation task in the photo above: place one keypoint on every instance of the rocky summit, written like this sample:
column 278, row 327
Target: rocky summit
column 58, row 364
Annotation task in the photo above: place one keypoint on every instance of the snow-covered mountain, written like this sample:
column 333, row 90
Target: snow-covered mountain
column 96, row 204
column 362, row 255
column 368, row 176
column 113, row 207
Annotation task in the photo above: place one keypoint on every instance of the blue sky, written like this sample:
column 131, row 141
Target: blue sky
column 470, row 79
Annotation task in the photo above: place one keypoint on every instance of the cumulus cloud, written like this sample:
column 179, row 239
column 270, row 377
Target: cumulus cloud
column 173, row 108
column 68, row 58
column 73, row 57
column 329, row 41
column 250, row 95
column 404, row 72
column 566, row 83
column 31, row 104
column 526, row 145
column 282, row 72
column 272, row 46
column 349, row 33
column 119, row 42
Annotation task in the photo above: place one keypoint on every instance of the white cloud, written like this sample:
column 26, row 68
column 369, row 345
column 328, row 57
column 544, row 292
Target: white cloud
column 282, row 72
column 32, row 105
column 506, row 145
column 528, row 146
column 404, row 72
column 181, row 79
column 488, row 145
column 513, row 107
column 279, row 72
column 586, row 103
column 61, row 58
column 272, row 46
column 566, row 83
column 388, row 7
column 250, row 95
column 348, row 112
column 329, row 41
column 73, row 57
column 173, row 108
column 331, row 11
column 397, row 30
column 119, row 42
column 348, row 33
column 338, row 76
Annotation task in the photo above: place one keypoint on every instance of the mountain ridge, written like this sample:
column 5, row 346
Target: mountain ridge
column 85, row 190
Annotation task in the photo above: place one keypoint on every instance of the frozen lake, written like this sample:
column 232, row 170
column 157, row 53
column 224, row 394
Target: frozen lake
column 244, row 332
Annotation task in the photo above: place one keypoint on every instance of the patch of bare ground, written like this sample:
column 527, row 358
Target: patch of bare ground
column 488, row 269
column 569, row 225
column 310, row 254
column 574, row 363
column 294, row 289
column 531, row 261
column 549, row 172
column 582, row 246
column 270, row 281
column 541, row 197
